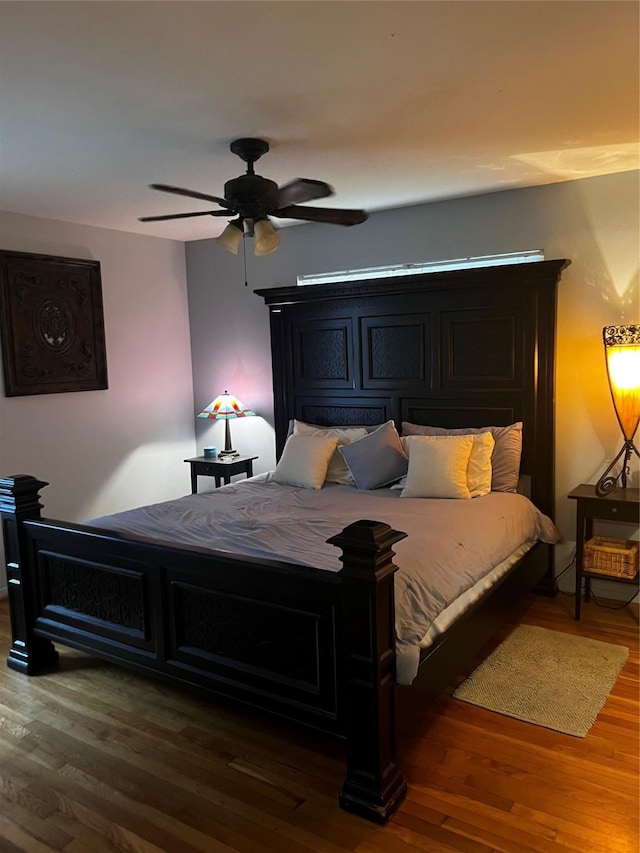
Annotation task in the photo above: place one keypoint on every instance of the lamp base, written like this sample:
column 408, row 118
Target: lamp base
column 607, row 483
column 228, row 454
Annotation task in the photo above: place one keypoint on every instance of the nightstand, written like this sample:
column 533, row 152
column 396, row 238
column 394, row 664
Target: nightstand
column 622, row 505
column 204, row 467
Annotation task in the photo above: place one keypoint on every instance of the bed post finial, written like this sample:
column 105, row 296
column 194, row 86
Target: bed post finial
column 20, row 501
column 374, row 785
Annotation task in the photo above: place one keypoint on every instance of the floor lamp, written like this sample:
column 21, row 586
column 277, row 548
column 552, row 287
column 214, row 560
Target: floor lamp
column 622, row 352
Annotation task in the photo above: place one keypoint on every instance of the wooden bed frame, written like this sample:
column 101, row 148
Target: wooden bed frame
column 463, row 348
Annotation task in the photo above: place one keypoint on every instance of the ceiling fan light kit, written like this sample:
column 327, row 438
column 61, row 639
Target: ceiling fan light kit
column 267, row 241
column 231, row 236
column 253, row 199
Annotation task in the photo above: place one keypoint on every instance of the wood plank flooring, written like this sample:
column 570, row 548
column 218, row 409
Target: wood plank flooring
column 94, row 758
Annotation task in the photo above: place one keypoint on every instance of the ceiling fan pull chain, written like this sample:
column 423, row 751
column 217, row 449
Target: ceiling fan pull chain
column 244, row 254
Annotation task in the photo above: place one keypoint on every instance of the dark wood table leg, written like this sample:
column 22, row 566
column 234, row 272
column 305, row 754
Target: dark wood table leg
column 194, row 479
column 579, row 552
column 587, row 581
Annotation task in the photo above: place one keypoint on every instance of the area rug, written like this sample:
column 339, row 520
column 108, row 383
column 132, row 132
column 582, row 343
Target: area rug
column 548, row 678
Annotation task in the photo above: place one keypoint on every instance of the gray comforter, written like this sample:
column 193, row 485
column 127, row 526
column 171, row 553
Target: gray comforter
column 451, row 544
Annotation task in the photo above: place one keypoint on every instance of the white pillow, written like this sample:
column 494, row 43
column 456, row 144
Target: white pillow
column 437, row 468
column 338, row 471
column 304, row 461
column 505, row 460
column 479, row 470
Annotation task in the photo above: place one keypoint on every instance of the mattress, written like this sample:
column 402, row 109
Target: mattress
column 453, row 548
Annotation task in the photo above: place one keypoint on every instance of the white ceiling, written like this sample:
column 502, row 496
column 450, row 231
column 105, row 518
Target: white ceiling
column 392, row 103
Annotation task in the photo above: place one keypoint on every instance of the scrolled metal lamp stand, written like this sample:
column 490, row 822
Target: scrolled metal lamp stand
column 607, row 483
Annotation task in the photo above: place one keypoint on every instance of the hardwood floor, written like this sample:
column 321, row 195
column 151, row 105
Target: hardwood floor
column 94, row 758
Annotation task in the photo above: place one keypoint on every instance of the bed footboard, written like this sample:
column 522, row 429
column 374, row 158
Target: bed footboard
column 315, row 647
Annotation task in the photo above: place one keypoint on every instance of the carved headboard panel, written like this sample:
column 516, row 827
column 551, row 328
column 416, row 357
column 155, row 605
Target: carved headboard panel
column 454, row 349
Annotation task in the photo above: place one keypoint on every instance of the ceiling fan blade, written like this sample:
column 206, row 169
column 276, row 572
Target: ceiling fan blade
column 334, row 216
column 165, row 188
column 302, row 189
column 183, row 215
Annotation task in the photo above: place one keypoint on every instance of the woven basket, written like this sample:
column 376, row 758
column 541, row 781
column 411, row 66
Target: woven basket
column 614, row 557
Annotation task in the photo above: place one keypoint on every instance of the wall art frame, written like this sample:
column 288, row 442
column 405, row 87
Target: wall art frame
column 51, row 324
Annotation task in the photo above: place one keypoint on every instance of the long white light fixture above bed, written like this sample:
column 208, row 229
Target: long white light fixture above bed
column 392, row 270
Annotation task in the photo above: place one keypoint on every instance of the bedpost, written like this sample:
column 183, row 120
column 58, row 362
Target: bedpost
column 19, row 501
column 374, row 785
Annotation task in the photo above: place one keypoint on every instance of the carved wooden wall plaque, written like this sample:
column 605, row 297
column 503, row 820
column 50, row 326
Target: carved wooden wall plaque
column 52, row 324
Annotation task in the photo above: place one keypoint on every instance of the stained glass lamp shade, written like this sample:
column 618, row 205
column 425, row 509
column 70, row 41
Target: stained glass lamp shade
column 226, row 407
column 622, row 351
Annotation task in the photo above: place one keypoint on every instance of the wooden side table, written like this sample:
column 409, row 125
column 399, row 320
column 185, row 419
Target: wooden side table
column 202, row 466
column 622, row 505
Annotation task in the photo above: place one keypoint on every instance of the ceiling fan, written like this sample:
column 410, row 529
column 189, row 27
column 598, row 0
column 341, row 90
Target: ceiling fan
column 252, row 199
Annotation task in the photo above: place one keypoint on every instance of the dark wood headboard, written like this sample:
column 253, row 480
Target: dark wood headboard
column 463, row 348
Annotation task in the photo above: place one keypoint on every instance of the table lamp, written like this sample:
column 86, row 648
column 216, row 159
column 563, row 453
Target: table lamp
column 225, row 407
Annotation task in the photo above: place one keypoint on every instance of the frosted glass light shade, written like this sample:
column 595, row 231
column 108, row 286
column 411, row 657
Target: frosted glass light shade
column 231, row 237
column 267, row 241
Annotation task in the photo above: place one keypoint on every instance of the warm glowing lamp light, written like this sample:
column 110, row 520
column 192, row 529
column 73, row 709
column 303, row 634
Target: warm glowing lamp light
column 226, row 407
column 622, row 351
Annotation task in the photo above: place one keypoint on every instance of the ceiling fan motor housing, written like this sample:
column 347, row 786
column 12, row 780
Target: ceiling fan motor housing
column 252, row 195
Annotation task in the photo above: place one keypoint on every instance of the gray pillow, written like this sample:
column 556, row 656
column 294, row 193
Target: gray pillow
column 505, row 459
column 368, row 427
column 377, row 459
